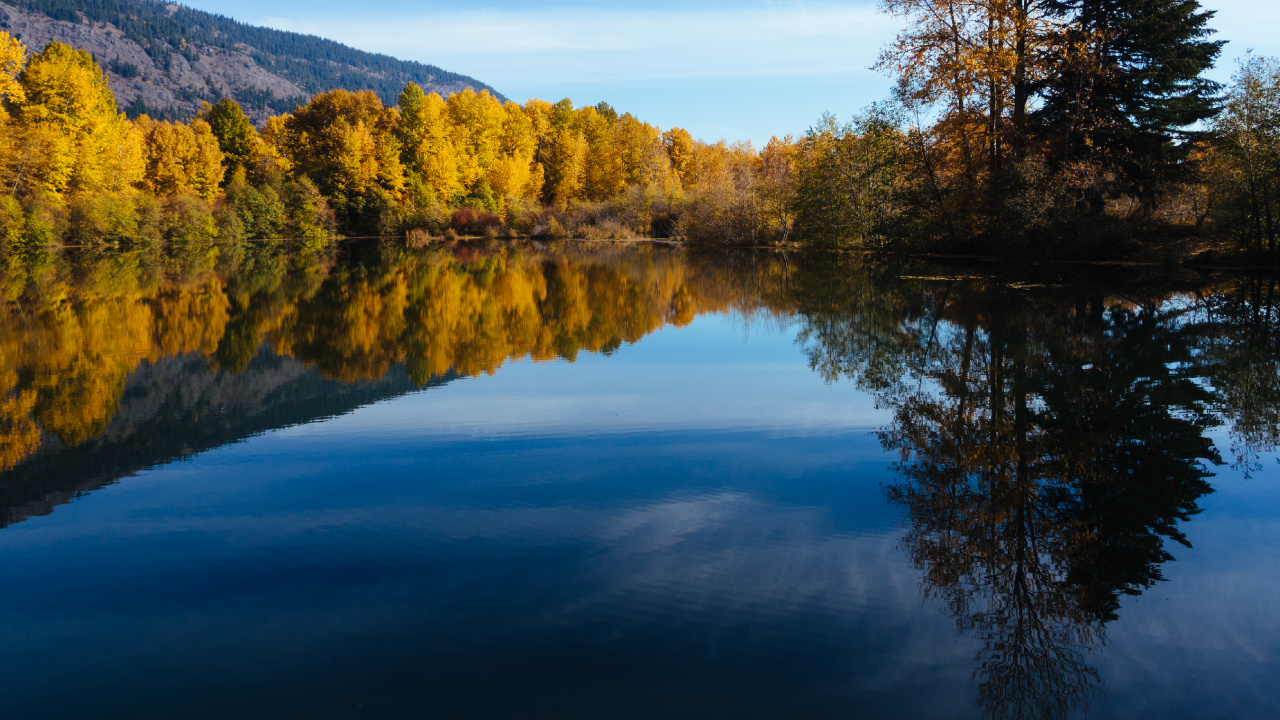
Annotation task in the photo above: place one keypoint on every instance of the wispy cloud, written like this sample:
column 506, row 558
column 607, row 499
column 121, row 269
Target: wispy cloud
column 594, row 45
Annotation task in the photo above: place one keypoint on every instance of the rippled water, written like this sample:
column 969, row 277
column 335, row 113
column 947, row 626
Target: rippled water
column 524, row 481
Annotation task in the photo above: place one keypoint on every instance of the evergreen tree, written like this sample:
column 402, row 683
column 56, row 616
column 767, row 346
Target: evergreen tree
column 1129, row 91
column 236, row 137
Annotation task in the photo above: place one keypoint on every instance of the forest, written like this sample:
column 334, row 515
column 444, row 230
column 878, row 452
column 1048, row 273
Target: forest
column 1046, row 128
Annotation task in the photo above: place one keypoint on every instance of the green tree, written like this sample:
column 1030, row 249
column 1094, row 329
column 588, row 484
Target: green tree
column 1129, row 90
column 237, row 138
column 1246, row 164
column 849, row 179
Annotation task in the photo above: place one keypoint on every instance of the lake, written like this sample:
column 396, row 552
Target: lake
column 633, row 480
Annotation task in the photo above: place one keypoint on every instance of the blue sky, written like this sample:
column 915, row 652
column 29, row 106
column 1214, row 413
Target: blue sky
column 736, row 70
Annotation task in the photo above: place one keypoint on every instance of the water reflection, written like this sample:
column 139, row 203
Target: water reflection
column 77, row 330
column 1051, row 429
column 1236, row 334
column 1050, row 444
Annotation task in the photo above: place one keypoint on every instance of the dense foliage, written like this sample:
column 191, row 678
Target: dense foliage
column 1046, row 127
column 76, row 169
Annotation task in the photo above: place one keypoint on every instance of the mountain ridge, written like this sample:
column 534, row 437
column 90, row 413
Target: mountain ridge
column 165, row 59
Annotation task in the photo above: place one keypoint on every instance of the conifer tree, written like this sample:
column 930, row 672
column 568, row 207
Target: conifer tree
column 1129, row 92
column 236, row 136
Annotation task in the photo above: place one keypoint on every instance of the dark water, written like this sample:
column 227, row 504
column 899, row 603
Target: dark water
column 567, row 482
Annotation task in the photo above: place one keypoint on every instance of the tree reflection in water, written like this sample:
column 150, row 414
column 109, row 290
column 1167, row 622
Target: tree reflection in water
column 1051, row 437
column 1050, row 442
column 73, row 330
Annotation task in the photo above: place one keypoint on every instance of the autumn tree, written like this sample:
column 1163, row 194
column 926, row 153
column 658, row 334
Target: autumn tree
column 562, row 153
column 778, row 171
column 346, row 143
column 679, row 145
column 73, row 136
column 515, row 174
column 631, row 153
column 426, row 147
column 182, row 158
column 12, row 57
column 982, row 63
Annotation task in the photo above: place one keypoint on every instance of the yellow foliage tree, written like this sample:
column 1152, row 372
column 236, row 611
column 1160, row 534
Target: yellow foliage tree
column 679, row 145
column 182, row 158
column 476, row 123
column 346, row 142
column 13, row 55
column 564, row 159
column 426, row 147
column 68, row 123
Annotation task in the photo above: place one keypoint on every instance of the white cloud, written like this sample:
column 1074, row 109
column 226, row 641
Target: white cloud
column 593, row 45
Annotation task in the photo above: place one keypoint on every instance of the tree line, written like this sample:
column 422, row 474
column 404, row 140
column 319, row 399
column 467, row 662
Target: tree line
column 1067, row 127
column 76, row 169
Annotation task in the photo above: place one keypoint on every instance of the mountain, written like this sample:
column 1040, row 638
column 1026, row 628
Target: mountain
column 165, row 59
column 176, row 407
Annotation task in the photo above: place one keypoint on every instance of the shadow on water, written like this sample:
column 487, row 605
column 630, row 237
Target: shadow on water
column 1050, row 426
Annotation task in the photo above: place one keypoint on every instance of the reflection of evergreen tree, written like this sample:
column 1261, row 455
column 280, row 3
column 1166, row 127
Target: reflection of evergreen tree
column 1237, row 335
column 1049, row 446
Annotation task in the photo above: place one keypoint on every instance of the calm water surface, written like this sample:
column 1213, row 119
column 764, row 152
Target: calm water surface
column 566, row 482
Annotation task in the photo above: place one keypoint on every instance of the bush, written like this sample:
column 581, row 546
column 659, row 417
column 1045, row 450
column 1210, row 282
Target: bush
column 417, row 238
column 44, row 224
column 470, row 221
column 308, row 216
column 12, row 222
column 422, row 209
column 150, row 217
column 555, row 230
column 102, row 218
column 259, row 211
column 605, row 230
column 188, row 220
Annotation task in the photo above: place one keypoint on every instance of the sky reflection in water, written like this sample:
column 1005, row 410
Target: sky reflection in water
column 693, row 523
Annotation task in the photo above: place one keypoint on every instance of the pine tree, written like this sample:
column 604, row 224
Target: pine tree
column 236, row 137
column 1129, row 93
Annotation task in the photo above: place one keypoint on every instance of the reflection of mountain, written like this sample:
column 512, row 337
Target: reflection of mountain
column 68, row 346
column 176, row 407
column 105, row 370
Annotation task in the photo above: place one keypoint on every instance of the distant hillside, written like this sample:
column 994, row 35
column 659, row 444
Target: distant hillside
column 165, row 59
column 177, row 407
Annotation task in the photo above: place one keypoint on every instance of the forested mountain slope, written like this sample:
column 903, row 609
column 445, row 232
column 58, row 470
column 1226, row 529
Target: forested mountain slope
column 165, row 59
column 177, row 407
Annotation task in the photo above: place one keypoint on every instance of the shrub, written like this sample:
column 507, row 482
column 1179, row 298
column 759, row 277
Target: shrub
column 417, row 238
column 470, row 221
column 260, row 211
column 188, row 220
column 308, row 216
column 12, row 222
column 605, row 230
column 102, row 218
